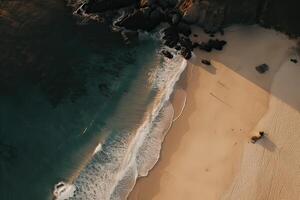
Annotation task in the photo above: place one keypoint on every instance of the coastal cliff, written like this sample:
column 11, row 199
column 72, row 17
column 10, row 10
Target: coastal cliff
column 209, row 14
column 212, row 14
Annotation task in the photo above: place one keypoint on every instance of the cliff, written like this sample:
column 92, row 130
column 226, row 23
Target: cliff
column 210, row 14
column 213, row 14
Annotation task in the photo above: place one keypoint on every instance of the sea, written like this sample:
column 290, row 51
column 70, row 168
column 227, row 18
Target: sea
column 83, row 113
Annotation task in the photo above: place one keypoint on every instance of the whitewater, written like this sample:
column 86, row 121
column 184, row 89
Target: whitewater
column 117, row 163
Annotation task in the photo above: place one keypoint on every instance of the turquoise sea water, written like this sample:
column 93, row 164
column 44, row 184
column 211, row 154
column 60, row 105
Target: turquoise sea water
column 64, row 89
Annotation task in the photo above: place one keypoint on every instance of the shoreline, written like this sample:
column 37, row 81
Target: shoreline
column 206, row 179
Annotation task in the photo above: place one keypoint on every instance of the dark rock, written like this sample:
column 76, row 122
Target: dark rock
column 212, row 35
column 294, row 60
column 186, row 53
column 186, row 42
column 205, row 47
column 176, row 18
column 146, row 3
column 177, row 47
column 206, row 62
column 184, row 29
column 262, row 68
column 212, row 44
column 156, row 16
column 255, row 138
column 170, row 43
column 147, row 11
column 221, row 31
column 167, row 3
column 195, row 35
column 195, row 45
column 97, row 6
column 171, row 36
column 217, row 44
column 143, row 19
column 167, row 54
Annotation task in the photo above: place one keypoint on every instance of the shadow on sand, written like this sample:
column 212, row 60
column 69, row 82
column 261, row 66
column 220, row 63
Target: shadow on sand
column 266, row 143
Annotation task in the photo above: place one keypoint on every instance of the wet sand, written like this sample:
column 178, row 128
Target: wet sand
column 207, row 153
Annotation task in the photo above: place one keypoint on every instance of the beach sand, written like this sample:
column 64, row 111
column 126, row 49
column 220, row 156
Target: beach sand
column 207, row 153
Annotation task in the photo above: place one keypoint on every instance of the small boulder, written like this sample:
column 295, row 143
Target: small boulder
column 206, row 62
column 177, row 47
column 205, row 47
column 186, row 53
column 184, row 29
column 167, row 54
column 176, row 18
column 186, row 42
column 255, row 138
column 294, row 60
column 262, row 68
column 212, row 44
column 217, row 44
column 171, row 36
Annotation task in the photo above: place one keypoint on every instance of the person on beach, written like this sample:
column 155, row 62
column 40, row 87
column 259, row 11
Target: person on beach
column 255, row 138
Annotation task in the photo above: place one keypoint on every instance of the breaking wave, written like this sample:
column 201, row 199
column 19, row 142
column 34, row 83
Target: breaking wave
column 112, row 172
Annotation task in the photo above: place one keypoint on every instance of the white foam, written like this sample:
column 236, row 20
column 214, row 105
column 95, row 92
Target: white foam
column 63, row 191
column 98, row 148
column 116, row 164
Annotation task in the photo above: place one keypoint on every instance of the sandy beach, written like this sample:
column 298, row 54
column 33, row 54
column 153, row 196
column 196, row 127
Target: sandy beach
column 207, row 153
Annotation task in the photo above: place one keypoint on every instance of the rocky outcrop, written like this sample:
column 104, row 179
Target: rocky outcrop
column 214, row 14
column 144, row 18
column 96, row 6
column 211, row 15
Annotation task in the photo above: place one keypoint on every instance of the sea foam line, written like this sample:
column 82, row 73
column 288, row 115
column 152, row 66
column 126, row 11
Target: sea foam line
column 139, row 138
column 118, row 181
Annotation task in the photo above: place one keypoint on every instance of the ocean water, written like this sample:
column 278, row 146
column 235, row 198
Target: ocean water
column 78, row 106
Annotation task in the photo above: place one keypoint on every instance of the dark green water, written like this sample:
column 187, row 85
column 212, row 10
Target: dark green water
column 59, row 83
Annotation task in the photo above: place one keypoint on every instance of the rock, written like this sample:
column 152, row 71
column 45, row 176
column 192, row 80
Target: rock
column 206, row 62
column 147, row 11
column 171, row 36
column 255, row 138
column 177, row 47
column 195, row 45
column 97, row 6
column 167, row 54
column 195, row 35
column 156, row 16
column 184, row 29
column 204, row 46
column 146, row 3
column 262, row 68
column 143, row 19
column 217, row 44
column 193, row 12
column 167, row 3
column 186, row 53
column 212, row 35
column 221, row 31
column 294, row 60
column 212, row 44
column 186, row 42
column 176, row 18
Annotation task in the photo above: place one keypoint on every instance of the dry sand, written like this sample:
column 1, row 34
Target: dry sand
column 206, row 154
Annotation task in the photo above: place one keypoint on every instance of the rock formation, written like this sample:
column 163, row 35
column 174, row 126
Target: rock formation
column 211, row 15
column 214, row 14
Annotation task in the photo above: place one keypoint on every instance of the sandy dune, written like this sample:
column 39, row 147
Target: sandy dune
column 207, row 154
